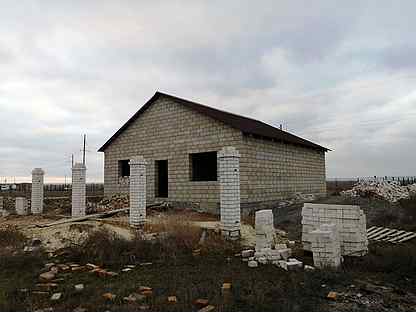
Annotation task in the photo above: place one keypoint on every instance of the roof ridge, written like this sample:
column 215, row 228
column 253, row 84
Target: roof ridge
column 210, row 107
column 244, row 124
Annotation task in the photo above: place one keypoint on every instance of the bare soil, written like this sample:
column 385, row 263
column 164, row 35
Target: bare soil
column 385, row 280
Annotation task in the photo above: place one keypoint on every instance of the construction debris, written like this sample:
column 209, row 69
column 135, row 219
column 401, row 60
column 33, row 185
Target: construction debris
column 389, row 235
column 83, row 218
column 391, row 191
column 56, row 296
column 332, row 295
column 172, row 299
column 109, row 296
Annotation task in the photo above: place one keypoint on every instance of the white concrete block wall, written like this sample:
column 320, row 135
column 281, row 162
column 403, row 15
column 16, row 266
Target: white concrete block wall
column 137, row 191
column 326, row 246
column 21, row 206
column 265, row 232
column 37, row 191
column 78, row 190
column 350, row 220
column 229, row 177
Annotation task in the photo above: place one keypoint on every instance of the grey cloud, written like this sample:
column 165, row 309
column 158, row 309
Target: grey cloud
column 337, row 73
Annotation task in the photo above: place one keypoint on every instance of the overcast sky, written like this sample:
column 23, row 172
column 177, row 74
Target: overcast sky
column 340, row 73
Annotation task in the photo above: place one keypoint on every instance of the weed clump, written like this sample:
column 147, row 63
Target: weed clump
column 11, row 237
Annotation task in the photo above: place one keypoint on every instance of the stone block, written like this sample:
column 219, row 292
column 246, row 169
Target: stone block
column 252, row 264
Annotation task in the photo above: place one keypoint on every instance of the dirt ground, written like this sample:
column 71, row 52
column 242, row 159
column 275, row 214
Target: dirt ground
column 385, row 280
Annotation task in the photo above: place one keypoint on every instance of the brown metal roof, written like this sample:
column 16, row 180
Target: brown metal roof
column 244, row 124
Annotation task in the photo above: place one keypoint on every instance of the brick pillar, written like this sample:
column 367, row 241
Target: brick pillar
column 37, row 191
column 265, row 232
column 137, row 191
column 229, row 175
column 21, row 206
column 78, row 190
column 326, row 246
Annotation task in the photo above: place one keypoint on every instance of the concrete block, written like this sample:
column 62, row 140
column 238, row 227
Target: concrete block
column 252, row 264
column 21, row 206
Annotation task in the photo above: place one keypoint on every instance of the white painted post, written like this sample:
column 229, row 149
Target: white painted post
column 137, row 191
column 21, row 206
column 229, row 176
column 78, row 190
column 37, row 191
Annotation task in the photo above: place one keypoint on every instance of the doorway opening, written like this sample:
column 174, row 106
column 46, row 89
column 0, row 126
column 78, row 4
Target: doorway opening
column 161, row 178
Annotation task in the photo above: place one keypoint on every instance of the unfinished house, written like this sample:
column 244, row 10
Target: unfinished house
column 180, row 139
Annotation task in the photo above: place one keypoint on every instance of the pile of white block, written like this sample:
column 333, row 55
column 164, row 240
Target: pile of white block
column 326, row 246
column 280, row 256
column 391, row 191
column 267, row 251
column 349, row 221
column 265, row 232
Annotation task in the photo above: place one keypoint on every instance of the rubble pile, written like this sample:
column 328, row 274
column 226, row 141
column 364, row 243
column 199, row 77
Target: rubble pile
column 391, row 191
column 279, row 256
column 267, row 249
column 297, row 198
column 116, row 201
column 59, row 205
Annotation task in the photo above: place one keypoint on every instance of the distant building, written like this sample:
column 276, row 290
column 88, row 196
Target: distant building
column 180, row 140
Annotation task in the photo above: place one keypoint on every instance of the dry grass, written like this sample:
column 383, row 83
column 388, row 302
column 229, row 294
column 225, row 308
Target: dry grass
column 177, row 239
column 179, row 228
column 11, row 237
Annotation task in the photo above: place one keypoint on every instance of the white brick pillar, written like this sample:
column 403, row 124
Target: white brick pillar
column 37, row 191
column 21, row 206
column 229, row 176
column 137, row 191
column 78, row 190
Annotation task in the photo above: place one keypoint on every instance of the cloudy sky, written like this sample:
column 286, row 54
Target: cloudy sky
column 340, row 73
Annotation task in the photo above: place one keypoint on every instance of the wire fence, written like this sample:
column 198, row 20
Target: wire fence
column 49, row 189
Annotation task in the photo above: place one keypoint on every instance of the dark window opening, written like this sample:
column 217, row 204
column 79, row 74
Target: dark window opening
column 203, row 166
column 161, row 178
column 124, row 168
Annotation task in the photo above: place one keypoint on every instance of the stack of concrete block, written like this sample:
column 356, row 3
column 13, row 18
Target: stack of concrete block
column 137, row 191
column 350, row 221
column 326, row 246
column 37, row 191
column 21, row 206
column 78, row 190
column 229, row 176
column 265, row 232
